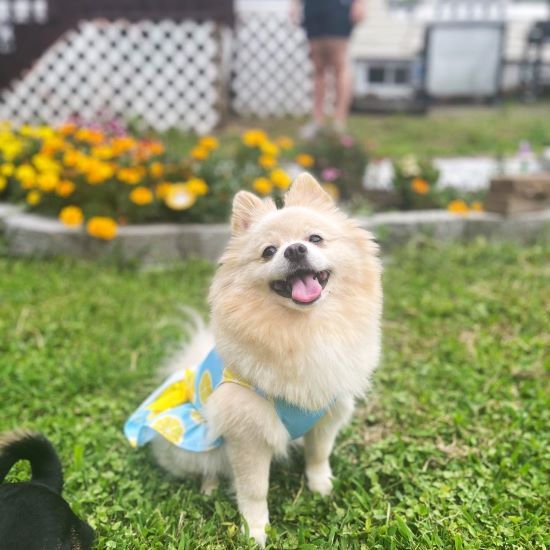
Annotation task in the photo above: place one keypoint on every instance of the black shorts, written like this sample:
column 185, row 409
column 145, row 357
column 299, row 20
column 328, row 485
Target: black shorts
column 327, row 18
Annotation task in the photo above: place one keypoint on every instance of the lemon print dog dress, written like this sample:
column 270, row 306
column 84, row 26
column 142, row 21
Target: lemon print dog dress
column 174, row 410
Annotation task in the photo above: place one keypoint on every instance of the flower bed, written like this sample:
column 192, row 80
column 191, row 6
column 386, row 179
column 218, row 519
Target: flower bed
column 102, row 179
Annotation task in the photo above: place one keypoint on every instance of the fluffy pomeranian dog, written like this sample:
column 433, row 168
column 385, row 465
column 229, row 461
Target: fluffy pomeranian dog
column 33, row 514
column 296, row 304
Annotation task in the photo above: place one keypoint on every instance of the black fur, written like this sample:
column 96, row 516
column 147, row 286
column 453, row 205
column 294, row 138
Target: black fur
column 33, row 514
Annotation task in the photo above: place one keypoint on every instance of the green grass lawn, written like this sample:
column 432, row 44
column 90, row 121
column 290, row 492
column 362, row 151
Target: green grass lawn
column 444, row 131
column 448, row 451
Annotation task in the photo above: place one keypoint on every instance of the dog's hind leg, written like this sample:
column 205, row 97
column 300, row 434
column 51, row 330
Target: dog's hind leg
column 210, row 483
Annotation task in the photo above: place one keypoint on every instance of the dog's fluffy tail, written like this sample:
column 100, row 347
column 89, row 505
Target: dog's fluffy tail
column 34, row 447
column 194, row 350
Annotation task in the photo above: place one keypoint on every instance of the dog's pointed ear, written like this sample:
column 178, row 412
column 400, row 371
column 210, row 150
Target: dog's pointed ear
column 247, row 208
column 306, row 191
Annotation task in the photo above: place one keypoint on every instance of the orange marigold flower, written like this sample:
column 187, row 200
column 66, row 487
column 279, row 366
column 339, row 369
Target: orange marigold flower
column 284, row 142
column 156, row 148
column 477, row 206
column 267, row 161
column 33, row 198
column 161, row 190
column 67, row 129
column 71, row 216
column 65, row 188
column 199, row 153
column 141, row 196
column 98, row 172
column 156, row 169
column 102, row 227
column 209, row 142
column 458, row 206
column 305, row 160
column 262, row 186
column 121, row 145
column 130, row 175
column 420, row 186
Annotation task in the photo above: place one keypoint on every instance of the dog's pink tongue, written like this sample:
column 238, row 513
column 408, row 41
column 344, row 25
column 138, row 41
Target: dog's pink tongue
column 306, row 289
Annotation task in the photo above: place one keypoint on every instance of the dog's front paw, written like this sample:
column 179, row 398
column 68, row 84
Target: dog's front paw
column 319, row 478
column 258, row 534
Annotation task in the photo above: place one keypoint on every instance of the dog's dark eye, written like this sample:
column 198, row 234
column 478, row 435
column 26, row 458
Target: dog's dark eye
column 315, row 238
column 269, row 252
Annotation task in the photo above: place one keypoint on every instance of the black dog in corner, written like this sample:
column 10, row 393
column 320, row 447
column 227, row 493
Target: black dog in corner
column 33, row 515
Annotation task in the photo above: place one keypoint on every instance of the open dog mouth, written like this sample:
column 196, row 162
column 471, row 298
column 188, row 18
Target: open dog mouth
column 303, row 287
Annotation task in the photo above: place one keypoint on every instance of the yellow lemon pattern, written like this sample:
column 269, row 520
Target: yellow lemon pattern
column 205, row 387
column 170, row 427
column 175, row 410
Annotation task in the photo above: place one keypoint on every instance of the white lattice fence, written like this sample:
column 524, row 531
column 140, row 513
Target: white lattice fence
column 271, row 67
column 166, row 74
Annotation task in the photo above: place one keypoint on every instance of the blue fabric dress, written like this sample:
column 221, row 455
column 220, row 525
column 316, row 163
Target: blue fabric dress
column 174, row 410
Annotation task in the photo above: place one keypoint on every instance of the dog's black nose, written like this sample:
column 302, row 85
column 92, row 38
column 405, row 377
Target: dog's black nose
column 295, row 252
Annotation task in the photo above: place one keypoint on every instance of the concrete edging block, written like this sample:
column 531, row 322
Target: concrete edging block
column 165, row 243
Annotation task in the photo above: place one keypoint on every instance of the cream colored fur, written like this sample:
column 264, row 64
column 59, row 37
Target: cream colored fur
column 317, row 355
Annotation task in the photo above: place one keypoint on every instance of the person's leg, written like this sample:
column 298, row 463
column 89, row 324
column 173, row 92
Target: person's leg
column 317, row 49
column 318, row 59
column 339, row 62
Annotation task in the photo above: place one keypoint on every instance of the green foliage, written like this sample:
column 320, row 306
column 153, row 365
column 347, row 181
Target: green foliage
column 415, row 183
column 340, row 160
column 449, row 450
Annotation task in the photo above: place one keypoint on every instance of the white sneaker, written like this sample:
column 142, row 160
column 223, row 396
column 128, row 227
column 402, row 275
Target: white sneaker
column 310, row 130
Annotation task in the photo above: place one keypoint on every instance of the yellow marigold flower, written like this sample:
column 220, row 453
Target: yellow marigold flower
column 103, row 152
column 331, row 189
column 458, row 206
column 71, row 216
column 67, row 129
column 26, row 174
column 98, row 172
column 65, row 188
column 102, row 227
column 269, row 148
column 161, row 190
column 47, row 181
column 178, row 197
column 262, row 186
column 44, row 163
column 130, row 175
column 3, row 183
column 267, row 161
column 209, row 142
column 420, row 186
column 156, row 169
column 280, row 178
column 477, row 206
column 7, row 169
column 52, row 145
column 254, row 137
column 284, row 142
column 197, row 186
column 33, row 198
column 199, row 153
column 305, row 160
column 141, row 196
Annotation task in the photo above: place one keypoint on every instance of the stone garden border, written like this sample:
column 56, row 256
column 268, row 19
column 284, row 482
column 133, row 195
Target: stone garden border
column 38, row 236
